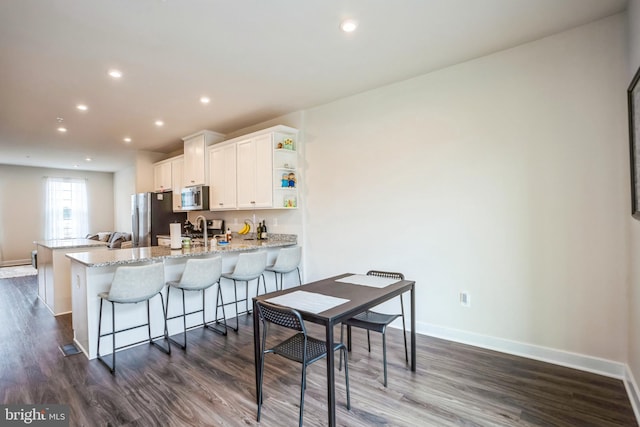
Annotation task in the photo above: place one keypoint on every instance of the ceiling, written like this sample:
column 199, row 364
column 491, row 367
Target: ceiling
column 255, row 59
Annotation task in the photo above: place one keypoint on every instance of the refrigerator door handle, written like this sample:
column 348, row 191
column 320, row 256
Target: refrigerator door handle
column 136, row 220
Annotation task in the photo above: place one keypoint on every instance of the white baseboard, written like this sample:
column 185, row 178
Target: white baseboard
column 582, row 362
column 632, row 391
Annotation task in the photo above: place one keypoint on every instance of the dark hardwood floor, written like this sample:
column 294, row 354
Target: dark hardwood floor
column 212, row 383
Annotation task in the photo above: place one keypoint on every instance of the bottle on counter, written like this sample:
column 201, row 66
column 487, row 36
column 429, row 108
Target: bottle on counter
column 259, row 232
column 228, row 235
column 264, row 230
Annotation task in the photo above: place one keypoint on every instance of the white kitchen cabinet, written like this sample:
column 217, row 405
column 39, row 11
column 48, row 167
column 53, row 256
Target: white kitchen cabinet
column 196, row 165
column 255, row 176
column 177, row 166
column 162, row 176
column 222, row 177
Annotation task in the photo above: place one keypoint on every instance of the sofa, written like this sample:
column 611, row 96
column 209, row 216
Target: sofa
column 114, row 239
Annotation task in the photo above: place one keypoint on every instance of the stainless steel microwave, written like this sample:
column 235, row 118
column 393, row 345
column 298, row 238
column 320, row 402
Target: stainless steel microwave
column 195, row 198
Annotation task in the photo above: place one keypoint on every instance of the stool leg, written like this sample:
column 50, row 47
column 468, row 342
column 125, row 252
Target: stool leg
column 183, row 344
column 184, row 321
column 165, row 332
column 100, row 358
column 246, row 296
column 209, row 325
column 299, row 277
column 113, row 337
column 235, row 291
column 384, row 355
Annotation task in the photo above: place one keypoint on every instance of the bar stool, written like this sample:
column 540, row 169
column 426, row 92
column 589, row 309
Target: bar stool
column 131, row 285
column 250, row 266
column 199, row 274
column 288, row 259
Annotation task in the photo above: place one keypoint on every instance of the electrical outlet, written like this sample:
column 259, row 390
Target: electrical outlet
column 465, row 299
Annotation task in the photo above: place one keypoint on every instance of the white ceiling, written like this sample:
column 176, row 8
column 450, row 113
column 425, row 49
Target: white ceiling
column 256, row 59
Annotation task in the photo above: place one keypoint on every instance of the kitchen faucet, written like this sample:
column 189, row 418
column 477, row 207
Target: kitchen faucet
column 203, row 229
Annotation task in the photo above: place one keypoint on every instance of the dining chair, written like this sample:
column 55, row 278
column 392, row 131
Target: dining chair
column 300, row 347
column 377, row 322
column 199, row 275
column 131, row 285
column 250, row 266
column 287, row 260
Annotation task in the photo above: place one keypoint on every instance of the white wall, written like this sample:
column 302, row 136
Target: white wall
column 633, row 44
column 506, row 176
column 22, row 207
column 124, row 185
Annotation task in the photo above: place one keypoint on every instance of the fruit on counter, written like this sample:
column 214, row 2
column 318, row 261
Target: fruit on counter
column 245, row 228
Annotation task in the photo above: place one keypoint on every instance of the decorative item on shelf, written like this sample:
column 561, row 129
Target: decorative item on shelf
column 288, row 144
column 279, row 146
column 292, row 179
column 289, row 202
column 285, row 180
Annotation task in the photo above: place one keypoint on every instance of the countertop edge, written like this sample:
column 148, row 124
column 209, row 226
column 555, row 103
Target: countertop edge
column 160, row 253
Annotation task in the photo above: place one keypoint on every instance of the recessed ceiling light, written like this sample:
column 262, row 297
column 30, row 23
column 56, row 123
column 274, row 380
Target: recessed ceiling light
column 159, row 123
column 116, row 74
column 62, row 129
column 205, row 99
column 87, row 159
column 348, row 25
column 82, row 107
column 126, row 139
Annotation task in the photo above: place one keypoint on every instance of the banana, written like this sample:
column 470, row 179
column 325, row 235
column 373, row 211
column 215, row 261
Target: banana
column 245, row 229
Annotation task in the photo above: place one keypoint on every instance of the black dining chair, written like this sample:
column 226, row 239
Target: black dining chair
column 377, row 322
column 300, row 347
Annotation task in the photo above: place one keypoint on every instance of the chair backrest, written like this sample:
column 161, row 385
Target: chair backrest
column 388, row 274
column 251, row 264
column 281, row 316
column 200, row 273
column 136, row 283
column 288, row 258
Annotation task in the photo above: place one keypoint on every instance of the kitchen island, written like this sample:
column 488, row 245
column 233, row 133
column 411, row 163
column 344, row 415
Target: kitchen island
column 92, row 273
column 54, row 270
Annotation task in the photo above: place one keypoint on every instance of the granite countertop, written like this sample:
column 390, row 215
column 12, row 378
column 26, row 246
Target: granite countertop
column 157, row 253
column 69, row 243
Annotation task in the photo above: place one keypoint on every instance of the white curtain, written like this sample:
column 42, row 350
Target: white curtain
column 66, row 213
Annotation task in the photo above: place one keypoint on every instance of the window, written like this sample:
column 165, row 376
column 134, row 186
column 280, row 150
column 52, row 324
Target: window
column 66, row 214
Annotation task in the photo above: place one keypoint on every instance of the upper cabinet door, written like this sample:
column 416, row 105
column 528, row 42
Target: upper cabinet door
column 222, row 178
column 254, row 160
column 194, row 161
column 162, row 176
column 177, row 166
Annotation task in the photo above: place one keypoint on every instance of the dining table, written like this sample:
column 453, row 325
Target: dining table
column 329, row 302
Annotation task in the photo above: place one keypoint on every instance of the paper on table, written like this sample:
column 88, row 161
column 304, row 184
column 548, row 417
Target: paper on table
column 363, row 279
column 307, row 301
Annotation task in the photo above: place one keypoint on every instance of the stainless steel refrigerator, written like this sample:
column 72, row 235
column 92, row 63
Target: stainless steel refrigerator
column 151, row 214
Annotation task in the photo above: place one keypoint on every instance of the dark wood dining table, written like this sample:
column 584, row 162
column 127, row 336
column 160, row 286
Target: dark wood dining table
column 360, row 298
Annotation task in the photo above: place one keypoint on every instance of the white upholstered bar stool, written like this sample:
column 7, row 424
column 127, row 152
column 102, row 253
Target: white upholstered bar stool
column 287, row 260
column 199, row 275
column 131, row 285
column 250, row 266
